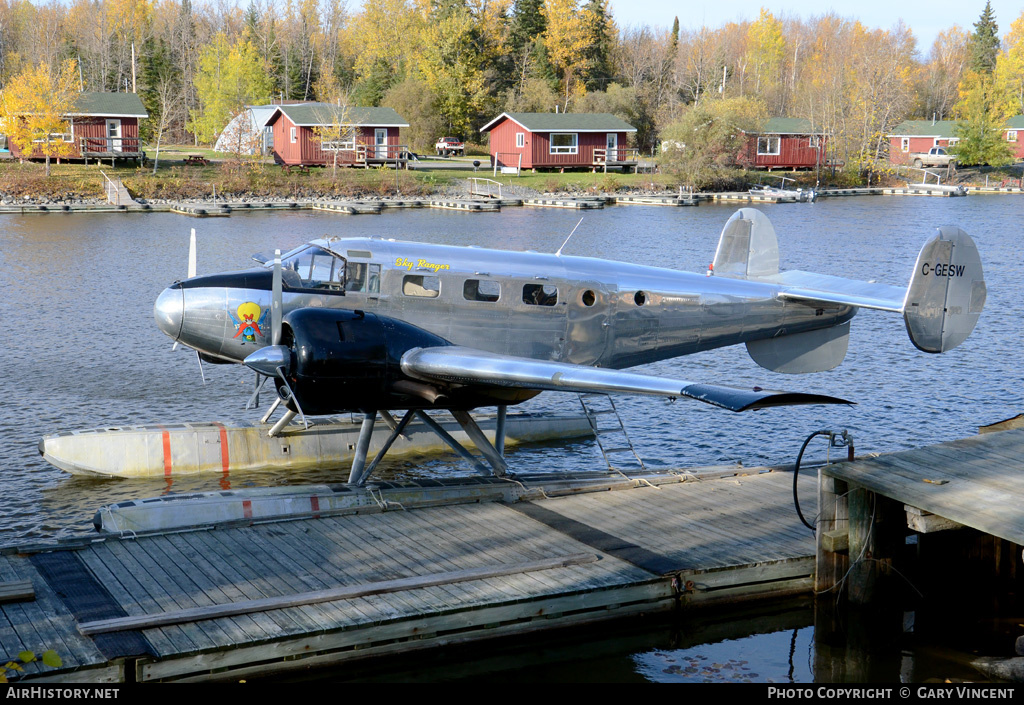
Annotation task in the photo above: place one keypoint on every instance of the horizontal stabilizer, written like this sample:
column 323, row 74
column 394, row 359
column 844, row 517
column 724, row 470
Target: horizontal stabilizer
column 458, row 365
column 946, row 293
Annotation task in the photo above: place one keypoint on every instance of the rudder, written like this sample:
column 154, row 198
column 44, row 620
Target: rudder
column 947, row 292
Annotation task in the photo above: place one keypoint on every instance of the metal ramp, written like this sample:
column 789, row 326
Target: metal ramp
column 610, row 433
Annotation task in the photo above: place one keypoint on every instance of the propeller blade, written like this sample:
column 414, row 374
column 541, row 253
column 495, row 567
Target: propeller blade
column 254, row 400
column 275, row 302
column 200, row 361
column 191, row 273
column 192, row 255
column 291, row 395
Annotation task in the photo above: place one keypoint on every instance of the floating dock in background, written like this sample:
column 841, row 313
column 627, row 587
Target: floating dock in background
column 171, row 450
column 402, row 568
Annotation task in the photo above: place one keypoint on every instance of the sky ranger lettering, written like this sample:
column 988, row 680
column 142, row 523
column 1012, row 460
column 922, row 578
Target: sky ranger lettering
column 374, row 325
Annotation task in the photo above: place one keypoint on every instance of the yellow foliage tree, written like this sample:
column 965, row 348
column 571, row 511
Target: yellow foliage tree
column 566, row 37
column 1010, row 65
column 34, row 107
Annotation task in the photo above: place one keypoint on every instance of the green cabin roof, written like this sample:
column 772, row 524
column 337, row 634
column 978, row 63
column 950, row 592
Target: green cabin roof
column 313, row 114
column 109, row 104
column 565, row 122
column 925, row 128
column 788, row 126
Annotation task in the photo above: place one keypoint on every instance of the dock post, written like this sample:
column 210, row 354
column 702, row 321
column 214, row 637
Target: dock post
column 877, row 533
column 832, row 559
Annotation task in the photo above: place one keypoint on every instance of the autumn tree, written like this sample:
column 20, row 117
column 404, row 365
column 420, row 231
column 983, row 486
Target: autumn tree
column 982, row 112
column 708, row 138
column 230, row 77
column 448, row 65
column 566, row 37
column 766, row 49
column 1010, row 65
column 33, row 110
column 938, row 86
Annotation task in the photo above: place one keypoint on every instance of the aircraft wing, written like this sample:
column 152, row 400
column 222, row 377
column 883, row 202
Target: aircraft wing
column 460, row 365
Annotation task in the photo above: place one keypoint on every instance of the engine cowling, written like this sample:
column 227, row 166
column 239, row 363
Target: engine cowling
column 338, row 360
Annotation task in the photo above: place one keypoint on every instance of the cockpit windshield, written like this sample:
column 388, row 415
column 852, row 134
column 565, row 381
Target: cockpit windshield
column 313, row 268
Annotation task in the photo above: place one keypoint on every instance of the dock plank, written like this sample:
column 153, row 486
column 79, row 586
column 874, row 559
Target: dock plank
column 453, row 550
column 244, row 579
column 443, row 597
column 237, row 546
column 149, row 592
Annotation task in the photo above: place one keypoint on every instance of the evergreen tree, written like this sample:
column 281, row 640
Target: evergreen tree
column 157, row 66
column 985, row 42
column 599, row 69
column 527, row 24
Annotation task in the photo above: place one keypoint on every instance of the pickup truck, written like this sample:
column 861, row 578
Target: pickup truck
column 936, row 156
column 447, row 146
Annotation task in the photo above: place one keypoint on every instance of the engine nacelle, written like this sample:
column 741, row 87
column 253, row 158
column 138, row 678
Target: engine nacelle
column 349, row 360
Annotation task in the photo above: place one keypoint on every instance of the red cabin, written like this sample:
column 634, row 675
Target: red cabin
column 785, row 143
column 918, row 136
column 101, row 126
column 560, row 141
column 315, row 134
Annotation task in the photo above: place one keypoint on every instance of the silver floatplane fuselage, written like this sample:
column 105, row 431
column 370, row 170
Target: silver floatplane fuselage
column 527, row 304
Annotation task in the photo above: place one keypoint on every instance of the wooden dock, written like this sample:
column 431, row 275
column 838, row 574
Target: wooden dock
column 471, row 560
column 959, row 501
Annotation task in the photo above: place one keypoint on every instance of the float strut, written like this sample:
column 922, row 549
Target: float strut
column 282, row 422
column 362, row 447
column 271, row 410
column 395, row 433
column 452, row 443
column 499, row 430
column 472, row 430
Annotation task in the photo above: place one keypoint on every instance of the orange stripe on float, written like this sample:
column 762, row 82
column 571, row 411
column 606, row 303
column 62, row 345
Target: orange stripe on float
column 247, row 509
column 167, row 452
column 225, row 458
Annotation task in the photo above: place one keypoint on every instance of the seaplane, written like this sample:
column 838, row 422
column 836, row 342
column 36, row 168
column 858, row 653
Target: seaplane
column 376, row 326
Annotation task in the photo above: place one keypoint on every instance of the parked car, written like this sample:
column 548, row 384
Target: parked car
column 936, row 156
column 447, row 146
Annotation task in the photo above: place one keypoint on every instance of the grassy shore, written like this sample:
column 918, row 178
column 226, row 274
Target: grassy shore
column 233, row 178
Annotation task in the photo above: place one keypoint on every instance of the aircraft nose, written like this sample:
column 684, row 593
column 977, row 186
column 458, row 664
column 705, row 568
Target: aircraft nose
column 169, row 310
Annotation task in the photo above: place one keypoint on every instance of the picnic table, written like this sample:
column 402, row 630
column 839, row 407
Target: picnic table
column 301, row 168
column 198, row 159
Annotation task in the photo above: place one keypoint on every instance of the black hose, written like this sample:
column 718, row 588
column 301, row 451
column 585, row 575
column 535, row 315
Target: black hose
column 796, row 474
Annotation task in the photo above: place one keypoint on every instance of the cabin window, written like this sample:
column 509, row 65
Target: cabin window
column 363, row 277
column 768, row 146
column 293, row 135
column 563, row 143
column 481, row 290
column 426, row 286
column 1011, row 135
column 540, row 294
column 639, row 298
column 588, row 298
column 346, row 142
column 520, row 140
column 904, row 144
column 316, row 269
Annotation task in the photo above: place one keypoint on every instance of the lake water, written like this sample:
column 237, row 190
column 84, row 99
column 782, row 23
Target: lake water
column 80, row 349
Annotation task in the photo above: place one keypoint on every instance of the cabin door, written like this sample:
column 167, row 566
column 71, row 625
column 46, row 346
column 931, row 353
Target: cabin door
column 380, row 139
column 612, row 143
column 114, row 135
